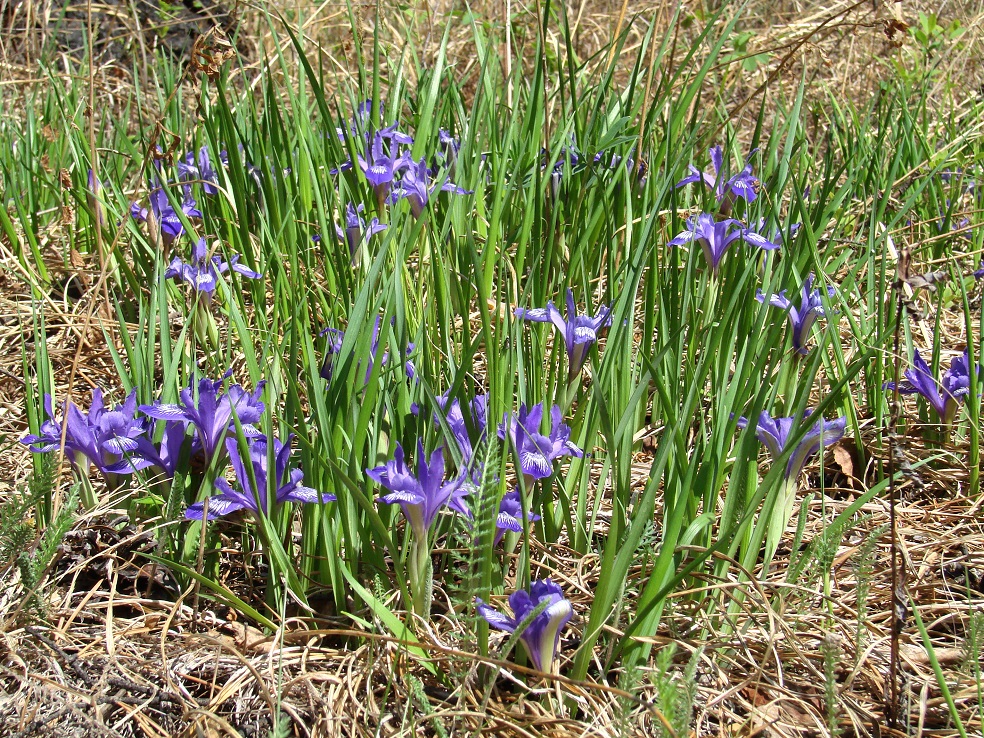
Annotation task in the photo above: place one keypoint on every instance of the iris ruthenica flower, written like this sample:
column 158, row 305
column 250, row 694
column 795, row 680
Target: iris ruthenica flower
column 421, row 497
column 359, row 125
column 382, row 166
column 541, row 635
column 757, row 234
column 335, row 346
column 455, row 418
column 580, row 332
column 568, row 157
column 202, row 272
column 199, row 169
column 101, row 436
column 163, row 456
column 726, row 191
column 510, row 517
column 286, row 487
column 715, row 237
column 537, row 451
column 356, row 232
column 774, row 433
column 161, row 217
column 448, row 151
column 416, row 187
column 210, row 412
column 801, row 319
column 944, row 399
column 979, row 274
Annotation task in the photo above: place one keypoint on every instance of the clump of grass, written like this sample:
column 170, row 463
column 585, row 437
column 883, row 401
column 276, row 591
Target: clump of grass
column 23, row 545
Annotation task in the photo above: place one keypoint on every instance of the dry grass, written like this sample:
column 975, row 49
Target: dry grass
column 114, row 660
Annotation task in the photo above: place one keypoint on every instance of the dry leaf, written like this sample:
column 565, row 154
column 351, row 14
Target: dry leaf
column 844, row 459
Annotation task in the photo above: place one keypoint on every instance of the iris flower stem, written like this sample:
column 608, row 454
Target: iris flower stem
column 788, row 379
column 381, row 204
column 782, row 511
column 86, row 494
column 421, row 576
column 570, row 389
column 509, row 541
column 710, row 300
column 206, row 331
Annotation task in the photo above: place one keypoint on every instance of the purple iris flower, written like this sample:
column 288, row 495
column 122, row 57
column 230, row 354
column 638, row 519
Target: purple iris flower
column 356, row 232
column 210, row 412
column 423, row 496
column 382, row 166
column 726, row 191
column 775, row 432
column 800, row 319
column 640, row 171
column 542, row 635
column 395, row 135
column 602, row 158
column 200, row 169
column 580, row 331
column 569, row 156
column 715, row 237
column 944, row 399
column 287, row 487
column 335, row 346
column 758, row 235
column 449, row 147
column 979, row 274
column 415, row 186
column 101, row 436
column 163, row 456
column 510, row 517
column 537, row 451
column 965, row 176
column 360, row 122
column 962, row 227
column 455, row 418
column 202, row 272
column 161, row 217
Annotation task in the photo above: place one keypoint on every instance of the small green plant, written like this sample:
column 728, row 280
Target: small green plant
column 972, row 653
column 20, row 543
column 922, row 63
column 166, row 13
column 749, row 61
column 17, row 527
column 628, row 682
column 676, row 692
column 830, row 650
column 864, row 571
column 931, row 36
